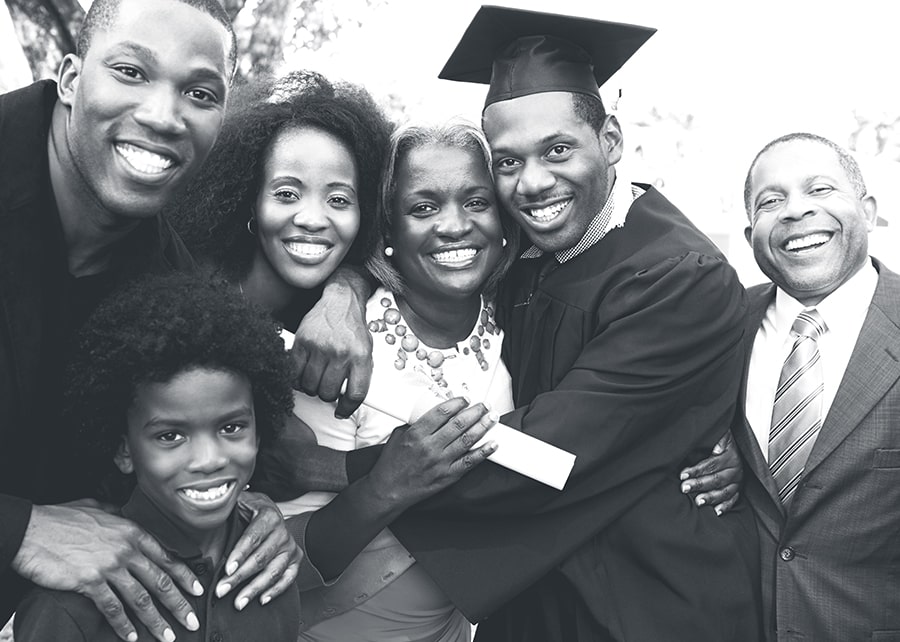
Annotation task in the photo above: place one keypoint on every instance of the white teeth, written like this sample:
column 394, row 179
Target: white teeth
column 208, row 495
column 306, row 250
column 807, row 241
column 544, row 214
column 143, row 160
column 455, row 256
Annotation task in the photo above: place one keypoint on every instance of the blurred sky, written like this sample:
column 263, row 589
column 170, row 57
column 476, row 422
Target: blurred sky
column 746, row 72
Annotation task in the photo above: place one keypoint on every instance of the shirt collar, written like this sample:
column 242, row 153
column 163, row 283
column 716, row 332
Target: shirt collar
column 141, row 510
column 844, row 308
column 611, row 216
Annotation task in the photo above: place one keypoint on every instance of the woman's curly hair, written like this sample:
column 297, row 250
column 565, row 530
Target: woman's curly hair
column 157, row 328
column 211, row 214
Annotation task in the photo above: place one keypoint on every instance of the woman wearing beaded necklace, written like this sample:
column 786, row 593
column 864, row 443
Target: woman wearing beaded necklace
column 441, row 248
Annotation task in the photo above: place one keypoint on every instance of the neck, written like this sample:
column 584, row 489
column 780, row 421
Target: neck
column 212, row 543
column 265, row 288
column 90, row 231
column 439, row 322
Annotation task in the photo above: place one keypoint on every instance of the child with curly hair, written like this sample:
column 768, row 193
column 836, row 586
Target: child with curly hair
column 176, row 381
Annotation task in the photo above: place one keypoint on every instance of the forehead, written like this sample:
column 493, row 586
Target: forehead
column 796, row 160
column 442, row 161
column 170, row 30
column 308, row 146
column 530, row 119
column 193, row 394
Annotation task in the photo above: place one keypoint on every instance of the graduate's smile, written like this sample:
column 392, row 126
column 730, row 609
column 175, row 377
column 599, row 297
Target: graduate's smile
column 554, row 174
column 545, row 214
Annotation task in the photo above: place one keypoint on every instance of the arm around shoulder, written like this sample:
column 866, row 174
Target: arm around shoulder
column 333, row 346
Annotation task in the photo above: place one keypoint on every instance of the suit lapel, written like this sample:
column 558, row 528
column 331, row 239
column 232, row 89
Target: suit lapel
column 873, row 368
column 760, row 298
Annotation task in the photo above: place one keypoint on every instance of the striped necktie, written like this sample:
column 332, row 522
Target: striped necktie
column 797, row 412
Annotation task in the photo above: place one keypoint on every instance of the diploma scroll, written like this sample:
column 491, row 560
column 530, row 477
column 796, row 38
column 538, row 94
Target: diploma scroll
column 516, row 450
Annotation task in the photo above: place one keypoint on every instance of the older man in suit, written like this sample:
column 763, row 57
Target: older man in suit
column 821, row 427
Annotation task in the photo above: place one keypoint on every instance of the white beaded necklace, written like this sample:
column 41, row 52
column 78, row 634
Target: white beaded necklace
column 391, row 325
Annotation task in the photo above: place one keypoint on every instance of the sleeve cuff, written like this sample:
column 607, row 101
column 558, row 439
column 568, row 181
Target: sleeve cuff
column 308, row 576
column 15, row 513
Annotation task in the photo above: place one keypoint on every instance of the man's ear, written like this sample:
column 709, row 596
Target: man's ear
column 123, row 457
column 67, row 79
column 748, row 232
column 870, row 209
column 611, row 139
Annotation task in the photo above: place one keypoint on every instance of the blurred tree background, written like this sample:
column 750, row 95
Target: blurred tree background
column 266, row 29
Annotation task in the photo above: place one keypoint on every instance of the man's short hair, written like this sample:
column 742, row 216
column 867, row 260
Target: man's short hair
column 590, row 110
column 102, row 16
column 848, row 163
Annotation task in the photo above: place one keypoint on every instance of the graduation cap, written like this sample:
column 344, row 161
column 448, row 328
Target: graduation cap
column 519, row 52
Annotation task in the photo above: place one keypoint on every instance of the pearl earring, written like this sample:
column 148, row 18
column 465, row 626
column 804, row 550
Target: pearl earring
column 388, row 251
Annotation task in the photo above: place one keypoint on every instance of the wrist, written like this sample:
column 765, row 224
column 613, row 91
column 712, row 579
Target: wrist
column 381, row 500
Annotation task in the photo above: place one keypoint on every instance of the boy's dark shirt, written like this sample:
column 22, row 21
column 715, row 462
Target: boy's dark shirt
column 68, row 617
column 41, row 308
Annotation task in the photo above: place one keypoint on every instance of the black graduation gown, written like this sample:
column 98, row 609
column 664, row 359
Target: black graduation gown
column 629, row 356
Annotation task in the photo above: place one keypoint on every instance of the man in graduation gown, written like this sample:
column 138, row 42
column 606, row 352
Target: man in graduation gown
column 624, row 329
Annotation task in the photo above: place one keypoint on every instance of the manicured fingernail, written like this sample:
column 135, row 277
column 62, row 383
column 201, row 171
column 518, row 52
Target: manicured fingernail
column 169, row 635
column 231, row 567
column 685, row 488
column 240, row 603
column 493, row 416
column 222, row 589
column 192, row 622
column 719, row 511
column 467, row 400
column 683, row 476
column 131, row 637
column 265, row 599
column 701, row 501
column 197, row 588
column 486, row 405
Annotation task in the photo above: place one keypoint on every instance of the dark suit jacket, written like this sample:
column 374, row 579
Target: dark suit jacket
column 36, row 320
column 831, row 563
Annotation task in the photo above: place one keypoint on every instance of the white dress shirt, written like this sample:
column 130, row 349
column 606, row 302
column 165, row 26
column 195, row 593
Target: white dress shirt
column 843, row 311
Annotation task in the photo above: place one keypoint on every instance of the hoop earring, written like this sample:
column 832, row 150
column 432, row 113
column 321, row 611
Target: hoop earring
column 250, row 225
column 504, row 241
column 388, row 251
